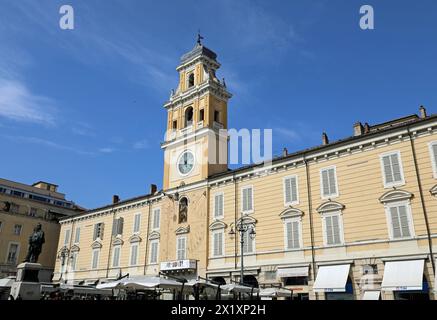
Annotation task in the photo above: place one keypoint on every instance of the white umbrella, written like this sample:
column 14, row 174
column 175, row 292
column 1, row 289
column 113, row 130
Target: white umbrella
column 7, row 282
column 238, row 288
column 144, row 282
column 110, row 285
column 204, row 283
column 275, row 292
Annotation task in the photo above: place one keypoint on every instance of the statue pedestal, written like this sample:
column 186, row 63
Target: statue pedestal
column 26, row 285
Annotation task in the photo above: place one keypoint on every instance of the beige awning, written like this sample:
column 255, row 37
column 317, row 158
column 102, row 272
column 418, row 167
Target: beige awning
column 293, row 272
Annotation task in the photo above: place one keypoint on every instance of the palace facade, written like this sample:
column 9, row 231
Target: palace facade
column 22, row 207
column 350, row 219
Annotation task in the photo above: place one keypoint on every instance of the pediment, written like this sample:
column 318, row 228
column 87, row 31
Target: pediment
column 395, row 195
column 135, row 238
column 433, row 190
column 182, row 230
column 75, row 248
column 96, row 245
column 217, row 225
column 246, row 220
column 330, row 206
column 154, row 235
column 291, row 213
column 117, row 242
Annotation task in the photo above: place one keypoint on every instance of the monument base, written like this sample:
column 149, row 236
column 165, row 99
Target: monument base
column 27, row 285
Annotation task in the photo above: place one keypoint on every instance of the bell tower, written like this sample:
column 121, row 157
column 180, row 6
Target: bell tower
column 195, row 145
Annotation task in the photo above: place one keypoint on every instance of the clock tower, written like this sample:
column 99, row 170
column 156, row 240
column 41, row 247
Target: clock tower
column 195, row 145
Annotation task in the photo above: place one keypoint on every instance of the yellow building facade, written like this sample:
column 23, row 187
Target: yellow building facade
column 351, row 219
column 22, row 207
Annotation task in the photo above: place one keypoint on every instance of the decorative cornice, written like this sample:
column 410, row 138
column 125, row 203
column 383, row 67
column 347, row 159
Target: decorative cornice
column 290, row 213
column 217, row 224
column 117, row 242
column 395, row 195
column 135, row 238
column 246, row 219
column 75, row 248
column 96, row 245
column 154, row 235
column 330, row 206
column 183, row 230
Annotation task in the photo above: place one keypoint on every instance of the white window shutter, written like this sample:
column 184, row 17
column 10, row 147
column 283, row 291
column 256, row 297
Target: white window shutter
column 133, row 254
column 120, row 225
column 329, row 234
column 325, row 183
column 115, row 227
column 296, row 236
column 77, row 235
column 434, row 153
column 95, row 231
column 395, row 222
column 336, row 230
column 403, row 218
column 388, row 173
column 396, row 168
column 67, row 237
column 287, row 187
column 332, row 184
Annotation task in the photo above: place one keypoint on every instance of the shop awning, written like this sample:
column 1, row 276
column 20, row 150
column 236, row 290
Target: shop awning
column 403, row 275
column 237, row 288
column 371, row 295
column 332, row 278
column 275, row 292
column 293, row 272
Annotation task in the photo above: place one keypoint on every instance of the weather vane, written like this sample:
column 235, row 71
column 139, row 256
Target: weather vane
column 199, row 38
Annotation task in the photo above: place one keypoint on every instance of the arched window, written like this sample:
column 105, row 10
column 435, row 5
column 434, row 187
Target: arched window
column 191, row 80
column 183, row 210
column 188, row 117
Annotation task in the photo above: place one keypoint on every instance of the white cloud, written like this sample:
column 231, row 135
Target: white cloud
column 47, row 143
column 142, row 144
column 287, row 133
column 19, row 104
column 106, row 150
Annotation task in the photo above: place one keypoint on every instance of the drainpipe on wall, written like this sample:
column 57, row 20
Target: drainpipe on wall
column 310, row 212
column 110, row 245
column 147, row 237
column 422, row 199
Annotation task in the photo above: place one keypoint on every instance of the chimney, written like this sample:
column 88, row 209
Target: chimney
column 325, row 139
column 285, row 152
column 115, row 199
column 153, row 188
column 358, row 129
column 422, row 112
column 366, row 128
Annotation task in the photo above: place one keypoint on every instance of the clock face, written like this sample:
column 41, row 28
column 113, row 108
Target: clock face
column 186, row 162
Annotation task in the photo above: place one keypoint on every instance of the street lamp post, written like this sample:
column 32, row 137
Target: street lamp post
column 242, row 228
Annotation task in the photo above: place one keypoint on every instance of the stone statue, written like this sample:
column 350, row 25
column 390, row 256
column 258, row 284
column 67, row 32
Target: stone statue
column 36, row 240
column 183, row 210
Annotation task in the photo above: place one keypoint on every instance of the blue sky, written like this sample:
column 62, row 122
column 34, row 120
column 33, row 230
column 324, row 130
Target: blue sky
column 83, row 108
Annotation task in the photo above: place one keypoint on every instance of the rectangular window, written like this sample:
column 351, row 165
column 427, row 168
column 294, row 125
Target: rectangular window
column 117, row 227
column 392, row 169
column 1, row 225
column 156, row 218
column 116, row 256
column 67, row 237
column 333, row 229
column 154, row 249
column 292, row 234
column 247, row 200
column 290, row 190
column 17, row 229
column 181, row 251
column 218, row 205
column 33, row 212
column 98, row 231
column 137, row 222
column 433, row 154
column 74, row 260
column 249, row 243
column 400, row 222
column 95, row 259
column 218, row 243
column 201, row 115
column 13, row 252
column 77, row 235
column 14, row 208
column 328, row 182
column 133, row 254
